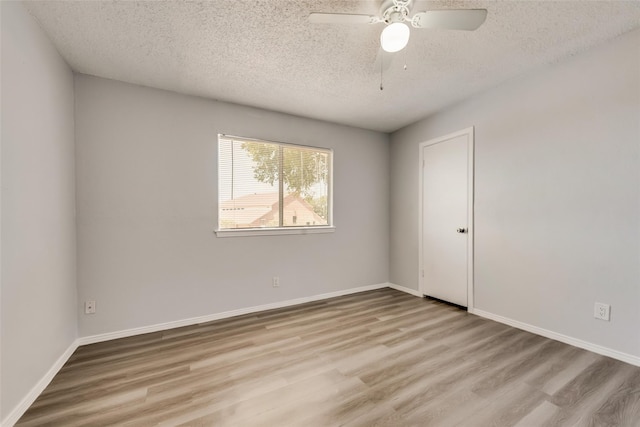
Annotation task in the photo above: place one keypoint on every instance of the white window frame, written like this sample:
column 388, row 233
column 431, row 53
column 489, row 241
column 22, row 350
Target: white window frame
column 273, row 231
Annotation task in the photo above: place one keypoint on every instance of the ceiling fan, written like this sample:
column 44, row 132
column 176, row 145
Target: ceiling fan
column 395, row 14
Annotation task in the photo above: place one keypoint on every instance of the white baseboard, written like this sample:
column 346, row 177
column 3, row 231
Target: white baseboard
column 35, row 391
column 224, row 315
column 409, row 291
column 628, row 358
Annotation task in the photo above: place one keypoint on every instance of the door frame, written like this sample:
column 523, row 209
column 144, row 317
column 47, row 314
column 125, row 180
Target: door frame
column 469, row 132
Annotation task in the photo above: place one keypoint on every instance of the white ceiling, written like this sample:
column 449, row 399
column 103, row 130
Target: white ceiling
column 264, row 53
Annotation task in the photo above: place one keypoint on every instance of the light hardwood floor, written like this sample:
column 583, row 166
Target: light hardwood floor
column 375, row 358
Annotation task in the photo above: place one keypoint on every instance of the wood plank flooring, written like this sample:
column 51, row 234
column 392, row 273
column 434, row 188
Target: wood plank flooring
column 379, row 358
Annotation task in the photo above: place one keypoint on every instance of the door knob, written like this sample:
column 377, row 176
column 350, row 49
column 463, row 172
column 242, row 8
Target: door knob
column 461, row 230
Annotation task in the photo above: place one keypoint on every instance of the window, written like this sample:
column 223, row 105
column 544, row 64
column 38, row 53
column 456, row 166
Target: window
column 271, row 188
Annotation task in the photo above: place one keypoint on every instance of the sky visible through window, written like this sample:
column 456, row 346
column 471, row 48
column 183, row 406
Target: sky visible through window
column 244, row 184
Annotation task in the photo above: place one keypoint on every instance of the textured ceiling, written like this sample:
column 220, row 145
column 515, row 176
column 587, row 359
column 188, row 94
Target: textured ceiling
column 264, row 53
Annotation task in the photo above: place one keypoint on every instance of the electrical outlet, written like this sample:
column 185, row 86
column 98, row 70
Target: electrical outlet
column 276, row 282
column 602, row 311
column 89, row 307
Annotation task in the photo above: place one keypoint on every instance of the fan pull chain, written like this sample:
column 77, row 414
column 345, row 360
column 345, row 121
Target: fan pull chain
column 381, row 62
column 405, row 59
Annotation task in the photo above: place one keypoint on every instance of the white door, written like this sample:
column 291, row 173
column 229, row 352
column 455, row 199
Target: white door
column 447, row 173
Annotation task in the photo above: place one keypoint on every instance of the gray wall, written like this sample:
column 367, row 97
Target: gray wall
column 147, row 197
column 557, row 198
column 38, row 206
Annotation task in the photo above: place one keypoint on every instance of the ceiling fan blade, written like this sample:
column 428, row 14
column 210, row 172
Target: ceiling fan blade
column 383, row 61
column 460, row 19
column 342, row 18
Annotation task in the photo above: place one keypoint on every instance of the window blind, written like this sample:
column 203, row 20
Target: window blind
column 264, row 184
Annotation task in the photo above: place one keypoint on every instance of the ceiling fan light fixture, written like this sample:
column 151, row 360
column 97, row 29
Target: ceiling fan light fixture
column 395, row 37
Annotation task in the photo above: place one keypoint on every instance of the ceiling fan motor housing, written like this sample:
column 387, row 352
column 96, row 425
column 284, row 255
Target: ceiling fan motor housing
column 395, row 10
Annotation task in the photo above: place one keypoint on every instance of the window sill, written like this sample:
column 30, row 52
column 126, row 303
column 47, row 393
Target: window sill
column 245, row 232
